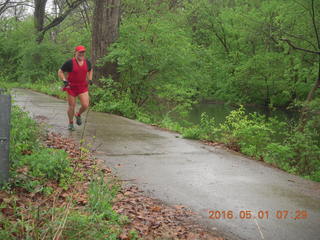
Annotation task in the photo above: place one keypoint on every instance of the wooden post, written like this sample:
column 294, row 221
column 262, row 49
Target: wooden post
column 5, row 113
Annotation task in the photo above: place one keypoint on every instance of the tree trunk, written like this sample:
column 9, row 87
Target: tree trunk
column 105, row 31
column 39, row 13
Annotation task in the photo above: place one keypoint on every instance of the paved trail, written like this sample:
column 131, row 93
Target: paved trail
column 186, row 172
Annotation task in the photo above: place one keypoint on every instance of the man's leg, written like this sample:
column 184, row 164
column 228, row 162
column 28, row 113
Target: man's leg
column 72, row 107
column 84, row 100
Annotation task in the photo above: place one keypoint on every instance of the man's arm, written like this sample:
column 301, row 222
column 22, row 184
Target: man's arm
column 61, row 75
column 89, row 76
column 66, row 67
column 90, row 72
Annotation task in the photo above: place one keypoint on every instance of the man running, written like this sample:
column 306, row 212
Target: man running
column 79, row 74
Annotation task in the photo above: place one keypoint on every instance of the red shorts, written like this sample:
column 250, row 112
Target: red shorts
column 75, row 90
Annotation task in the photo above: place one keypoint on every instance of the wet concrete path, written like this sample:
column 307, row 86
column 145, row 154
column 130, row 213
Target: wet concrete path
column 186, row 172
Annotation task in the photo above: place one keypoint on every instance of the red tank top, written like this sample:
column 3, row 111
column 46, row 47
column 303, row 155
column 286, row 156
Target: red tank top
column 78, row 76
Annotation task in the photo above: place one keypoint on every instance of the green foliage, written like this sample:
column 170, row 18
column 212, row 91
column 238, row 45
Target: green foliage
column 306, row 142
column 24, row 60
column 101, row 195
column 242, row 54
column 53, row 89
column 39, row 62
column 279, row 155
column 90, row 226
column 270, row 140
column 306, row 149
column 168, row 123
column 48, row 163
column 250, row 133
column 171, row 54
column 23, row 135
column 156, row 60
column 108, row 99
column 26, row 151
column 48, row 224
column 39, row 164
column 206, row 130
column 192, row 132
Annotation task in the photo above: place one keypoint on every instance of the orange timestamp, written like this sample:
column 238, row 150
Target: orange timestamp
column 261, row 214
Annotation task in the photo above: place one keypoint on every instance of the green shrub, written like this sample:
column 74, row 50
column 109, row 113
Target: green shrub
column 24, row 59
column 306, row 151
column 206, row 130
column 254, row 136
column 54, row 88
column 279, row 155
column 168, row 123
column 272, row 140
column 144, row 117
column 209, row 130
column 69, row 223
column 23, row 134
column 89, row 227
column 235, row 121
column 107, row 99
column 192, row 132
column 48, row 163
column 251, row 132
column 101, row 195
column 156, row 60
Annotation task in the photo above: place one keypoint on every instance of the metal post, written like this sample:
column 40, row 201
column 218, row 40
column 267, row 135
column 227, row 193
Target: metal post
column 5, row 113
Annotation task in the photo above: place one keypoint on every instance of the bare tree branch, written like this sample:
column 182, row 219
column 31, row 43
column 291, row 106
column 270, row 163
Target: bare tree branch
column 300, row 38
column 4, row 6
column 9, row 4
column 59, row 19
column 39, row 17
column 299, row 48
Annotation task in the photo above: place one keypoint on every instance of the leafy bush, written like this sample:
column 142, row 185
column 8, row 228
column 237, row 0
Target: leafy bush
column 39, row 62
column 192, row 132
column 167, row 122
column 270, row 140
column 26, row 151
column 207, row 129
column 48, row 163
column 53, row 89
column 252, row 132
column 72, row 224
column 306, row 152
column 23, row 135
column 156, row 60
column 83, row 226
column 279, row 155
column 24, row 59
column 101, row 195
column 107, row 99
column 36, row 166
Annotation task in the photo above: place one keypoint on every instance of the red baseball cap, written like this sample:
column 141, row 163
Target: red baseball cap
column 80, row 48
